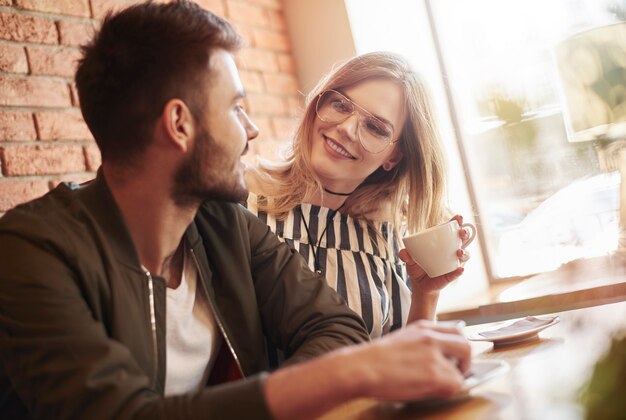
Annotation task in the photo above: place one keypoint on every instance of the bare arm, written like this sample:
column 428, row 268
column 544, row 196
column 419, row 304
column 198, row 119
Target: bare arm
column 425, row 290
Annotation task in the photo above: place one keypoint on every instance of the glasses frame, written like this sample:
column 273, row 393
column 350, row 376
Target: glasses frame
column 358, row 109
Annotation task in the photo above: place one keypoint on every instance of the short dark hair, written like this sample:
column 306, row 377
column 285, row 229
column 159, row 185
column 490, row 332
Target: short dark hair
column 141, row 58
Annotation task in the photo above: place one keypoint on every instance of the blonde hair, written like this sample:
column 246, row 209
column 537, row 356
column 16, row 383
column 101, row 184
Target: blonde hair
column 416, row 183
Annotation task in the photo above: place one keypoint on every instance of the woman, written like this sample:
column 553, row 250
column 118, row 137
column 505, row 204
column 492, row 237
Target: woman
column 366, row 163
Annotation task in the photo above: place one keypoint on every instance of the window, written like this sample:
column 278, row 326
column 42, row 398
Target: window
column 540, row 198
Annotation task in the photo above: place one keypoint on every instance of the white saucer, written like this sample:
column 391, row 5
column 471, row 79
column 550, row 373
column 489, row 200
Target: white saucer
column 481, row 371
column 528, row 333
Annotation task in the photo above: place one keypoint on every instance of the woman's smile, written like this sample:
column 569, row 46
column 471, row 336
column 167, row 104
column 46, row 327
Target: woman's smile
column 336, row 149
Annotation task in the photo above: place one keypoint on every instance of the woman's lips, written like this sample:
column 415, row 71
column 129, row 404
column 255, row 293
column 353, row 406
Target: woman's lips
column 336, row 149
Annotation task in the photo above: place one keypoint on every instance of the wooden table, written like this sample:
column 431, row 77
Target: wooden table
column 543, row 381
column 577, row 284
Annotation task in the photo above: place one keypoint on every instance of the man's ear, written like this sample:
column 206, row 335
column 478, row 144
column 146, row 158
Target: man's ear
column 394, row 159
column 178, row 123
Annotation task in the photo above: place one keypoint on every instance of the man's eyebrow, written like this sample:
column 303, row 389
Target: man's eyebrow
column 383, row 119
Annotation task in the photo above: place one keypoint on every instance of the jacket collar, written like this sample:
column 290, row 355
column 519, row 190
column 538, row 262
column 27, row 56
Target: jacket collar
column 98, row 199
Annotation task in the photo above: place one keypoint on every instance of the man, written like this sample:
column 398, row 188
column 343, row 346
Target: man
column 131, row 296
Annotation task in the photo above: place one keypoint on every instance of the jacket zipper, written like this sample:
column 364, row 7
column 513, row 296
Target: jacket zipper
column 215, row 315
column 155, row 349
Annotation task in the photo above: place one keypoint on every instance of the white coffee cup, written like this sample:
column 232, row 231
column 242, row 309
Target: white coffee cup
column 434, row 249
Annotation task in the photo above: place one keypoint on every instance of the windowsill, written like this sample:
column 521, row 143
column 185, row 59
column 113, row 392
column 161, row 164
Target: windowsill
column 575, row 285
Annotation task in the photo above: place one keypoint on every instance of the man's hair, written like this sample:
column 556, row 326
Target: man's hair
column 141, row 58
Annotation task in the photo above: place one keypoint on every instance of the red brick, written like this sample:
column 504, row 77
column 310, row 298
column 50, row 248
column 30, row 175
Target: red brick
column 242, row 12
column 268, row 148
column 53, row 61
column 75, row 33
column 17, row 126
column 269, row 3
column 42, row 160
column 276, row 20
column 14, row 192
column 284, row 127
column 13, row 59
column 92, row 157
column 252, row 81
column 271, row 40
column 286, row 63
column 61, row 7
column 278, row 83
column 264, row 104
column 62, row 126
column 16, row 27
column 34, row 91
column 295, row 106
column 74, row 95
column 255, row 59
column 101, row 7
column 215, row 6
column 265, row 127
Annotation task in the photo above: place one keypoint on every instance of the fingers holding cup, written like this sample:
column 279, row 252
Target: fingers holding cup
column 463, row 255
column 435, row 249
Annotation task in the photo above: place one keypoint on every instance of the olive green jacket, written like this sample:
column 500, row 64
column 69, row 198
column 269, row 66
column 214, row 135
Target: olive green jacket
column 82, row 325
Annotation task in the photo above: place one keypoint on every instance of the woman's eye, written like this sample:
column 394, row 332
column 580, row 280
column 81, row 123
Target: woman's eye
column 341, row 106
column 378, row 129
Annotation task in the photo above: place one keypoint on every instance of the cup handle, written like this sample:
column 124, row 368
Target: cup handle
column 472, row 234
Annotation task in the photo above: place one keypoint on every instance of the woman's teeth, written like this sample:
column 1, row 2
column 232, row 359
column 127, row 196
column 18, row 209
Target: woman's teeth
column 338, row 148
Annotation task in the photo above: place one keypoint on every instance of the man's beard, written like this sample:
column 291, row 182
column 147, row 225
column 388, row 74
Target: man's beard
column 203, row 176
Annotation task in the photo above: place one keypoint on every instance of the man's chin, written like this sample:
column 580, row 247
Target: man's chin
column 236, row 194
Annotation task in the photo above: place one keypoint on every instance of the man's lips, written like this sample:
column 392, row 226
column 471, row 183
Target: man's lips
column 337, row 148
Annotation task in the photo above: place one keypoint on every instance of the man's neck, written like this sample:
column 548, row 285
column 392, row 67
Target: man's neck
column 156, row 224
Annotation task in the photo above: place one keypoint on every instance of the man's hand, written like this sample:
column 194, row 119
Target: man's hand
column 423, row 360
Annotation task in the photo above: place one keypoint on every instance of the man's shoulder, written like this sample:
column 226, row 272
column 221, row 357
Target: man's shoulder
column 43, row 213
column 223, row 217
column 225, row 210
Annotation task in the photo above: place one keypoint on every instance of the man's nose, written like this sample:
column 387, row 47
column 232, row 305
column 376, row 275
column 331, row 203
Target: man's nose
column 349, row 127
column 252, row 131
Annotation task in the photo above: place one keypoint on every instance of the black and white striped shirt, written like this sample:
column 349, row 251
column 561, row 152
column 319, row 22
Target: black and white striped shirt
column 360, row 265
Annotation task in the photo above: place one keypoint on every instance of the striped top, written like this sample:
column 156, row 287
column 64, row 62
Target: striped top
column 360, row 265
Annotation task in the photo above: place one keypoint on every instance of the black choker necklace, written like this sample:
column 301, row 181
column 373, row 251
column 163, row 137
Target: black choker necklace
column 338, row 193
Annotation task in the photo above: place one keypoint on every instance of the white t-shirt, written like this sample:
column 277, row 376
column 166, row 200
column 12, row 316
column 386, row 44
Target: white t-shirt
column 193, row 338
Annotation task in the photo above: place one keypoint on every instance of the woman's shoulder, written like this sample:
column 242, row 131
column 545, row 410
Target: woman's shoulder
column 383, row 214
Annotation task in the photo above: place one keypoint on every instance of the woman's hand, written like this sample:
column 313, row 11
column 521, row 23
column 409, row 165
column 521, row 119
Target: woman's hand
column 420, row 279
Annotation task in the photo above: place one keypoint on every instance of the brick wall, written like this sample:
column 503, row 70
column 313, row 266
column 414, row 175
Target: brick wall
column 43, row 139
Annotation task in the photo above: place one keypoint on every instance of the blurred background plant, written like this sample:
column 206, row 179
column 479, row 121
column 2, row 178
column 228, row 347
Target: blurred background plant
column 604, row 396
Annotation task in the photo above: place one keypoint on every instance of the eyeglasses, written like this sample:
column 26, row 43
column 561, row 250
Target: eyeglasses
column 373, row 133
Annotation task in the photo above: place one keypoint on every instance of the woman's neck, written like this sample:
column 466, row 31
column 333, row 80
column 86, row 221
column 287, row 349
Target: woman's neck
column 329, row 200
